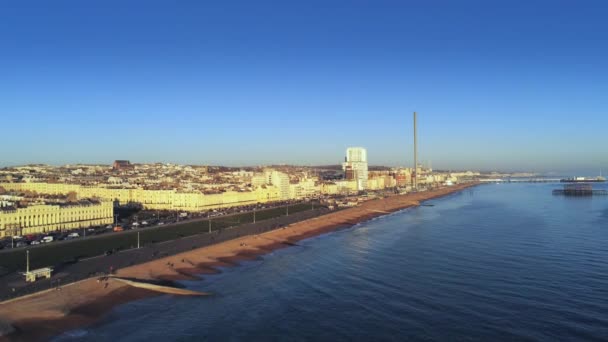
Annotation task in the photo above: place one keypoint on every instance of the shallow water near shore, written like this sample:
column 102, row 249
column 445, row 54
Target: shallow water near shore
column 494, row 262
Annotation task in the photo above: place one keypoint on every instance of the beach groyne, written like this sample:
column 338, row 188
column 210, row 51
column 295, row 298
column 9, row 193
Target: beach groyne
column 158, row 287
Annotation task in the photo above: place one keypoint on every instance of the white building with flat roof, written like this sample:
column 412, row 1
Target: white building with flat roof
column 281, row 181
column 356, row 154
column 355, row 166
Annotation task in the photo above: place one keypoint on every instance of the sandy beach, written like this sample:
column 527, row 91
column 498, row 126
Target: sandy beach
column 46, row 314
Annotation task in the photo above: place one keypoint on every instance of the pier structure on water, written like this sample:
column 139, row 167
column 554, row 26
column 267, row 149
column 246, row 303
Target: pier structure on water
column 579, row 190
column 520, row 180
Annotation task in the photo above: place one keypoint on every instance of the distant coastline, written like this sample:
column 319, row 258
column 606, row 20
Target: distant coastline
column 50, row 313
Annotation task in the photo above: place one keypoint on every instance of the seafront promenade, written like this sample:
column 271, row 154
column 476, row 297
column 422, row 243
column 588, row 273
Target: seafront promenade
column 12, row 285
column 48, row 313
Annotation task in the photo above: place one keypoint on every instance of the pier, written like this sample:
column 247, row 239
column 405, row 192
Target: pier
column 579, row 190
column 520, row 180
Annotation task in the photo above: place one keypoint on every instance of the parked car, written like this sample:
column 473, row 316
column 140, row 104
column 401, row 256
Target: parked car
column 47, row 239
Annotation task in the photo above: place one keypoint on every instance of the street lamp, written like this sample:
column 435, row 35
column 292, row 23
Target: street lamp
column 13, row 229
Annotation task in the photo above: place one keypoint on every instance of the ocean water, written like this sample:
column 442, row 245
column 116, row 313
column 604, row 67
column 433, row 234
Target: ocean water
column 497, row 262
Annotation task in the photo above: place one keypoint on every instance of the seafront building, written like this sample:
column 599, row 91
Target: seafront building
column 48, row 217
column 156, row 199
column 281, row 181
column 355, row 166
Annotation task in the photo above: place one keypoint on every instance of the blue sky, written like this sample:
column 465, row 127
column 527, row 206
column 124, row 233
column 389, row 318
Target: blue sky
column 512, row 85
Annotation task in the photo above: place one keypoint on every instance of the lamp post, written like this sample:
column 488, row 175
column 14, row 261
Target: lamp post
column 13, row 228
column 137, row 240
column 27, row 262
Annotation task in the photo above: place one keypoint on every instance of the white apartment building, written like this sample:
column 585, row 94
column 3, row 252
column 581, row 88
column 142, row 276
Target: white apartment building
column 281, row 181
column 355, row 166
column 356, row 154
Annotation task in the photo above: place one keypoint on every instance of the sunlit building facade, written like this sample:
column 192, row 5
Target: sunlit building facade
column 42, row 218
column 355, row 166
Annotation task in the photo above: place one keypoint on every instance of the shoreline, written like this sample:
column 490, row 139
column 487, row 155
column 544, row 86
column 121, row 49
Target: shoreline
column 50, row 313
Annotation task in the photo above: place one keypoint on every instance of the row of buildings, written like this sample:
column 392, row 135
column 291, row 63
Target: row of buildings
column 92, row 189
column 46, row 217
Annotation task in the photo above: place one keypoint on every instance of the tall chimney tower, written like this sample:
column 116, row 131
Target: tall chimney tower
column 415, row 174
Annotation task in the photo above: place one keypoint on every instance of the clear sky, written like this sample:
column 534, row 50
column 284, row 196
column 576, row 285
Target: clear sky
column 512, row 85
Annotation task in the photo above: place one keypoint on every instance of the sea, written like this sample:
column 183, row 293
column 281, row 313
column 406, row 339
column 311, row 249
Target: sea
column 492, row 263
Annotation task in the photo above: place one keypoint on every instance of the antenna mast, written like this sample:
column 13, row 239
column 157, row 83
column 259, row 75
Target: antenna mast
column 415, row 155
